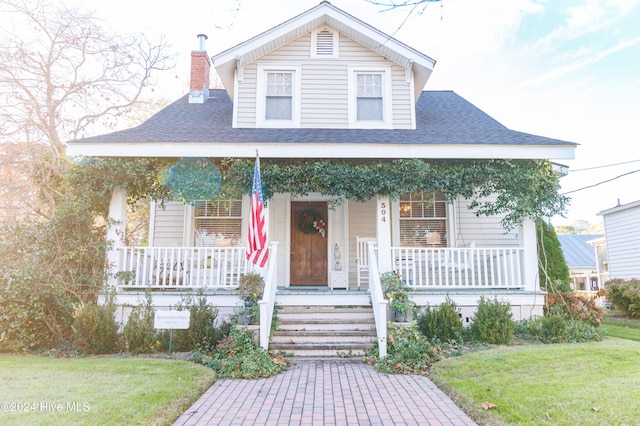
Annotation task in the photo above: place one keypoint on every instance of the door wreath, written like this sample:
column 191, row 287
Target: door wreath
column 309, row 221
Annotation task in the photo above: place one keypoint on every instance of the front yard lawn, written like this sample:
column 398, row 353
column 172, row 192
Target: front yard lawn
column 624, row 328
column 43, row 391
column 588, row 384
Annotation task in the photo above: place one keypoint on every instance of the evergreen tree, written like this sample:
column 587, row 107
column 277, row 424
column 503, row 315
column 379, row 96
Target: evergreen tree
column 552, row 266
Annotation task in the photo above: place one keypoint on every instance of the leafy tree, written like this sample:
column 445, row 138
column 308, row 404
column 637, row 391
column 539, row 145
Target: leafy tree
column 565, row 229
column 61, row 74
column 552, row 267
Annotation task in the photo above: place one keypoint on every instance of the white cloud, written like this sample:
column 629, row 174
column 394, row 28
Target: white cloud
column 584, row 62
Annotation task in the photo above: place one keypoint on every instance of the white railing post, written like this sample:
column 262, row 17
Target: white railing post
column 378, row 301
column 268, row 296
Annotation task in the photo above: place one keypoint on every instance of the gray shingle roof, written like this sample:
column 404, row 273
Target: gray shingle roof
column 442, row 118
column 577, row 252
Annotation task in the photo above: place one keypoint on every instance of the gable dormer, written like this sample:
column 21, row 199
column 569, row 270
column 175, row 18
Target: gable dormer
column 323, row 69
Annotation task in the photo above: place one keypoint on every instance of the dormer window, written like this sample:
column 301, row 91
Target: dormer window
column 324, row 43
column 370, row 97
column 278, row 100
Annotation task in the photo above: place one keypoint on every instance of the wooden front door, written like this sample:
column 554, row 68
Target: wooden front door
column 308, row 245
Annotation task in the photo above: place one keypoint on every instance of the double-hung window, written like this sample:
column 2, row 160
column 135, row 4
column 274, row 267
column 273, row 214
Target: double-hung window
column 370, row 97
column 423, row 219
column 218, row 223
column 278, row 97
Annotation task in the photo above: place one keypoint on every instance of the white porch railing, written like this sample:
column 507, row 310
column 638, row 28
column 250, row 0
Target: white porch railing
column 180, row 267
column 378, row 301
column 460, row 268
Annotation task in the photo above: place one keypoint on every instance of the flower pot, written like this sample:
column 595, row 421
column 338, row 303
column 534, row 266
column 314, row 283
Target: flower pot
column 399, row 316
column 248, row 319
column 250, row 303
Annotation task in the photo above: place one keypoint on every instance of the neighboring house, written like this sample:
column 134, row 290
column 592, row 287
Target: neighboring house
column 622, row 233
column 327, row 85
column 580, row 255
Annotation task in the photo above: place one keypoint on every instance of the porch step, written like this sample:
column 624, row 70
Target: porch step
column 327, row 332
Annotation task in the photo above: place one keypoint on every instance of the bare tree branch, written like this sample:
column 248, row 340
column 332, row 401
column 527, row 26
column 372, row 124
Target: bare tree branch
column 63, row 75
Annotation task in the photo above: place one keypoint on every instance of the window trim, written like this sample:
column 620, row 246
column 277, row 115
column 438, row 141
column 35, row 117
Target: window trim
column 352, row 91
column 261, row 96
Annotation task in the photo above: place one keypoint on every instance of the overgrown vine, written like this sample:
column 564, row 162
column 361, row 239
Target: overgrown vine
column 517, row 189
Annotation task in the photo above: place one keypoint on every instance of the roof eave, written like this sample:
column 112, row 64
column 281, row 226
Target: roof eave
column 328, row 149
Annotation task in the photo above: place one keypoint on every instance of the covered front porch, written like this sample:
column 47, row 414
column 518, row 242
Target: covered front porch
column 337, row 266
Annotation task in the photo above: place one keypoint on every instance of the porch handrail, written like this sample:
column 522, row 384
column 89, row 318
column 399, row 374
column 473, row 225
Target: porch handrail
column 268, row 296
column 378, row 301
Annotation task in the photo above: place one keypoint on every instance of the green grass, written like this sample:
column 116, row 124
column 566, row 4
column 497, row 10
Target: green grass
column 624, row 328
column 104, row 390
column 587, row 384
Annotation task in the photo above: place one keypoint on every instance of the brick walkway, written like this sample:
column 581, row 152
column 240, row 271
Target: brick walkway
column 317, row 393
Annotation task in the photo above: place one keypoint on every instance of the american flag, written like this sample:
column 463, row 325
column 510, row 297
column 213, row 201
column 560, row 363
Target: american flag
column 257, row 251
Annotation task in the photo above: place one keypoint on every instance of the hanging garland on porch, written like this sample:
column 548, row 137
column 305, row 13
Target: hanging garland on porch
column 516, row 189
column 309, row 221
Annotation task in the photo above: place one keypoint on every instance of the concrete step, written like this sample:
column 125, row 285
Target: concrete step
column 343, row 359
column 324, row 313
column 324, row 331
column 330, row 324
column 322, row 336
column 322, row 350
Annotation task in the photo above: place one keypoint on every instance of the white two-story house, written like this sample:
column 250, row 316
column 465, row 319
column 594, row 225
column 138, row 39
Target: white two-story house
column 327, row 87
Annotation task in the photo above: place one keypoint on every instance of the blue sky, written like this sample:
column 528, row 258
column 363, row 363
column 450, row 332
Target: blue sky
column 566, row 69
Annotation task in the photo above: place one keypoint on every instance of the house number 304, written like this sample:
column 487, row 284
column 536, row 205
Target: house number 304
column 383, row 212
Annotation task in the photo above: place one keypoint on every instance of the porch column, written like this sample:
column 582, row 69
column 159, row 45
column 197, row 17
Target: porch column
column 528, row 240
column 383, row 234
column 116, row 229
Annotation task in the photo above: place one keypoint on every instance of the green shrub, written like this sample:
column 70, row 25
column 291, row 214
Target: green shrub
column 442, row 322
column 139, row 334
column 33, row 315
column 408, row 352
column 528, row 329
column 625, row 295
column 578, row 331
column 493, row 322
column 95, row 330
column 553, row 328
column 238, row 357
column 202, row 332
column 558, row 327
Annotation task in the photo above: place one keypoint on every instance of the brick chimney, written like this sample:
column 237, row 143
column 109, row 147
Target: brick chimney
column 200, row 71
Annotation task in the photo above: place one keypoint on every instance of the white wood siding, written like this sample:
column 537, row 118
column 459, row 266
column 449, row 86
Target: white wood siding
column 362, row 223
column 324, row 84
column 169, row 226
column 483, row 230
column 622, row 231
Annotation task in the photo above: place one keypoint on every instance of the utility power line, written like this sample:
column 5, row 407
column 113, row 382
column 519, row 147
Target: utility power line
column 603, row 166
column 600, row 183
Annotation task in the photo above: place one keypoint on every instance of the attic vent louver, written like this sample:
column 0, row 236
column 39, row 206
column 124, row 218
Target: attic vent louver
column 324, row 43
